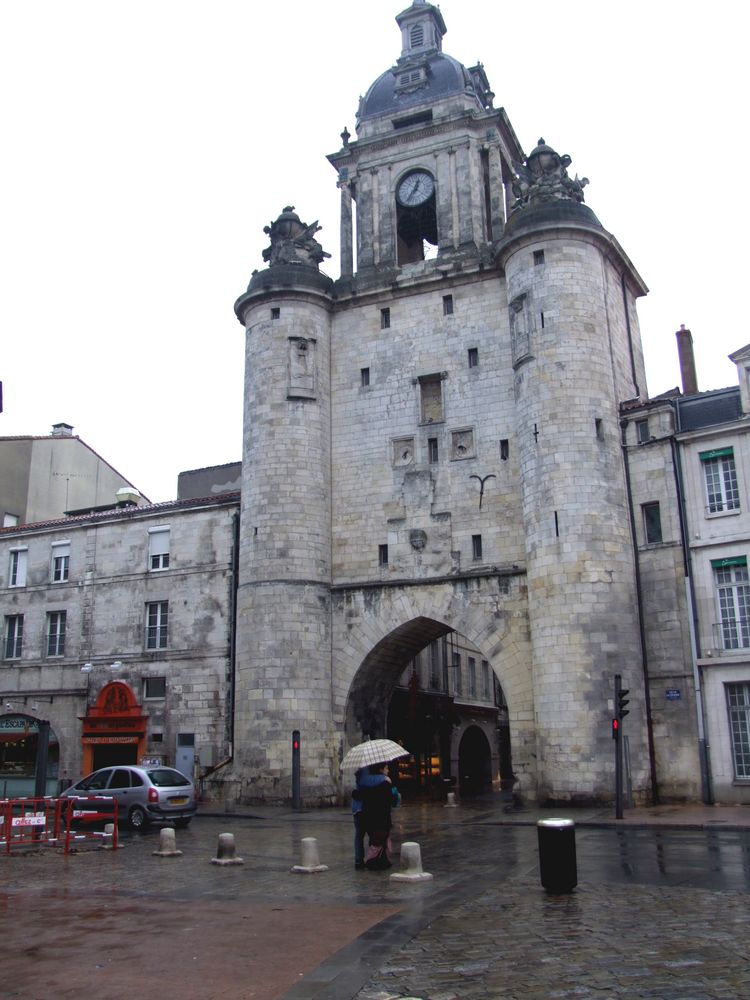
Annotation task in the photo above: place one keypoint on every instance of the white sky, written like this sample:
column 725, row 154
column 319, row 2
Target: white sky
column 147, row 143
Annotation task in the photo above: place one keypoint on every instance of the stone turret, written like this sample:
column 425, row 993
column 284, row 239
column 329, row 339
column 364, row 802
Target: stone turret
column 283, row 618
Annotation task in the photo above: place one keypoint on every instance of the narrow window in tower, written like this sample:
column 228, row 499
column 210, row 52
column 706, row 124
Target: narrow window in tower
column 275, row 312
column 382, row 555
column 652, row 522
column 473, row 357
column 431, row 393
column 364, row 377
column 538, row 257
column 417, row 36
column 599, row 428
column 385, row 319
column 487, row 191
column 504, row 449
column 557, row 525
column 541, row 317
column 476, row 546
column 642, row 431
column 447, row 305
column 432, row 450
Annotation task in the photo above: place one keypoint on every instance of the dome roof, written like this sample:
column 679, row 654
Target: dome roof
column 442, row 76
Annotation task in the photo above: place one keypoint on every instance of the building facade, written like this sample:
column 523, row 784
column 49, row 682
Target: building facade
column 118, row 631
column 432, row 444
column 688, row 460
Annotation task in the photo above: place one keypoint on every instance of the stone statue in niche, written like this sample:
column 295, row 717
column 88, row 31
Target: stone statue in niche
column 544, row 177
column 293, row 242
column 520, row 336
column 301, row 367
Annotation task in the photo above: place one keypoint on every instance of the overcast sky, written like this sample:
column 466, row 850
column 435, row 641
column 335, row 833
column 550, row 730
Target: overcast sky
column 147, row 143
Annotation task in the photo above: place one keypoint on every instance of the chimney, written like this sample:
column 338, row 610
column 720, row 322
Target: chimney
column 62, row 430
column 687, row 361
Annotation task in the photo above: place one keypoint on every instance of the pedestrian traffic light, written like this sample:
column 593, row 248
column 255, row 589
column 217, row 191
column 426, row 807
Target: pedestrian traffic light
column 615, row 728
column 622, row 701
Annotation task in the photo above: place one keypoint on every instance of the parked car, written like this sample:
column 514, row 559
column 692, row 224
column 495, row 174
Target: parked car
column 144, row 794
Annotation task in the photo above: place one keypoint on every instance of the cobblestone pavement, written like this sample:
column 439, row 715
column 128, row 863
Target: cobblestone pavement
column 659, row 912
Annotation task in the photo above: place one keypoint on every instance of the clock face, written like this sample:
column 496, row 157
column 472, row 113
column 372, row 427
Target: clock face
column 416, row 188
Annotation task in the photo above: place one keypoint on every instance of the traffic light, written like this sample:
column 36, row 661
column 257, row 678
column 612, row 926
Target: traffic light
column 615, row 728
column 622, row 701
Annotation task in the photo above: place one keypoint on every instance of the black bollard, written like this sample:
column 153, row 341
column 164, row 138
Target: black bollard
column 557, row 855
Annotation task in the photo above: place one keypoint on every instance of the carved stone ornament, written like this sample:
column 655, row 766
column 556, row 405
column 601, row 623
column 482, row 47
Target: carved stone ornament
column 544, row 177
column 417, row 539
column 293, row 242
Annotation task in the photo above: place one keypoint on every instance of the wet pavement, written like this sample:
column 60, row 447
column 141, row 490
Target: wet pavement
column 660, row 910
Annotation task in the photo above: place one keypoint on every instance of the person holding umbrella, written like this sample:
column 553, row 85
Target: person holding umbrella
column 377, row 801
column 370, row 759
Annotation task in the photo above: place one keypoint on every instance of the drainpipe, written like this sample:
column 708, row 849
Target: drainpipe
column 700, row 710
column 641, row 624
column 233, row 628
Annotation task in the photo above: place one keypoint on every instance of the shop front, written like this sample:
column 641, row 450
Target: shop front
column 19, row 753
column 114, row 729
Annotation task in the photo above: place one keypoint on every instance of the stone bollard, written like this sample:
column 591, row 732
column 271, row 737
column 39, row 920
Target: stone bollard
column 167, row 844
column 225, row 851
column 109, row 837
column 411, row 859
column 310, row 860
column 451, row 803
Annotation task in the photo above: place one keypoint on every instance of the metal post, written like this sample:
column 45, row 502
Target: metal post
column 295, row 769
column 42, row 751
column 616, row 723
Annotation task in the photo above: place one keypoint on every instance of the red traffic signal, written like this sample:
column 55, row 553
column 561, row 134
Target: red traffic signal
column 615, row 728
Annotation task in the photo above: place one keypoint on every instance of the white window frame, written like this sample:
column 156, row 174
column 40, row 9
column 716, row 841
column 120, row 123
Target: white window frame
column 720, row 478
column 19, row 561
column 158, row 549
column 60, row 565
column 13, row 633
column 738, row 709
column 56, row 629
column 733, row 601
column 157, row 625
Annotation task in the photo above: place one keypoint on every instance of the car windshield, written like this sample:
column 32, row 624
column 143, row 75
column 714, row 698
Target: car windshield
column 164, row 777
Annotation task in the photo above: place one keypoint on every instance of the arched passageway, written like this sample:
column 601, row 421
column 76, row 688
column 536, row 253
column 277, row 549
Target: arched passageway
column 421, row 686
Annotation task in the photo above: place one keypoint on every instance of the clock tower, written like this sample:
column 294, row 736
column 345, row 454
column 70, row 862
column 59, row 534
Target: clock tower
column 432, row 444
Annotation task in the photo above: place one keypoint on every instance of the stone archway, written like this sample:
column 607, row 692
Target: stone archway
column 377, row 630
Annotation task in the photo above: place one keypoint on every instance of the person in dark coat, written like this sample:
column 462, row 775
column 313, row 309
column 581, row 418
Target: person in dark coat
column 377, row 801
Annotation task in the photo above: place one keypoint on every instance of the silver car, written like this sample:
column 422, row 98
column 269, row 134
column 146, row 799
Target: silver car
column 144, row 794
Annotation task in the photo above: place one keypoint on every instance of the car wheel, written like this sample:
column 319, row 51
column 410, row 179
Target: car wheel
column 182, row 823
column 137, row 818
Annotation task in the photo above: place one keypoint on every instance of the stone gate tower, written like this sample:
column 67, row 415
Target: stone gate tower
column 432, row 443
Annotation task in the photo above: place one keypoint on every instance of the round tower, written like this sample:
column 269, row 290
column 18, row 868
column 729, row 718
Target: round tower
column 571, row 294
column 283, row 645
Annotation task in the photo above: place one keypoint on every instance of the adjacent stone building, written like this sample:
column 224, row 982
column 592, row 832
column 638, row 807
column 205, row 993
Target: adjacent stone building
column 688, row 461
column 46, row 477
